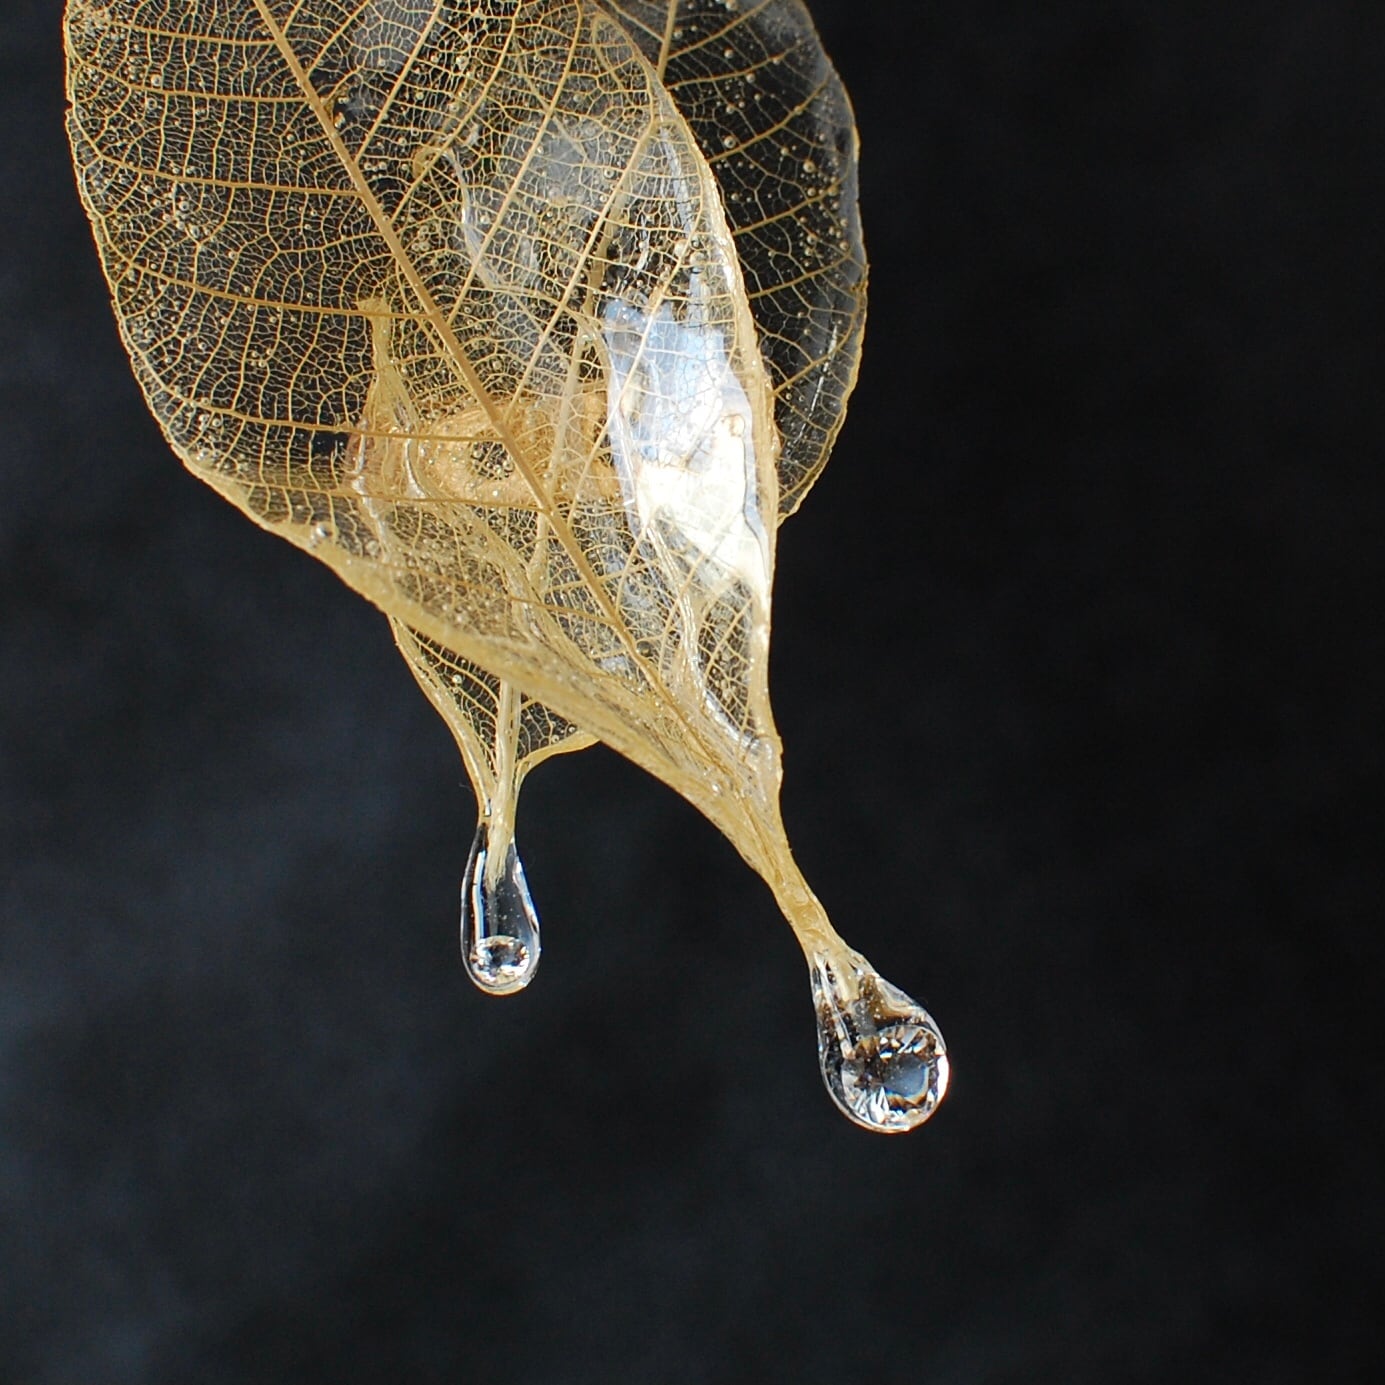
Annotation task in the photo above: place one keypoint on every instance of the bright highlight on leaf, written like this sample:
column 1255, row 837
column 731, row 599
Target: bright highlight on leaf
column 532, row 319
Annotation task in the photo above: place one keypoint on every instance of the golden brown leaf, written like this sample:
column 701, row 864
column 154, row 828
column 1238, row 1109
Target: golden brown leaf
column 446, row 294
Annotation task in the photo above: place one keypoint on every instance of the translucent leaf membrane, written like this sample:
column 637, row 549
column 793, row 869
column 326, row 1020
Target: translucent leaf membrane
column 446, row 294
column 503, row 733
column 773, row 120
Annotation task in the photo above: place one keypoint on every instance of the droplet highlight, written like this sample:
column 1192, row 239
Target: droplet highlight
column 500, row 926
column 882, row 1056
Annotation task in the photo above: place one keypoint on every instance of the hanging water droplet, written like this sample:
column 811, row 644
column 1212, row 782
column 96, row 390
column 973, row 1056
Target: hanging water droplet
column 883, row 1059
column 500, row 927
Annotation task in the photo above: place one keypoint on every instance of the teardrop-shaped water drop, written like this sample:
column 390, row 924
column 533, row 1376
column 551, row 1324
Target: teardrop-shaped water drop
column 500, row 926
column 883, row 1059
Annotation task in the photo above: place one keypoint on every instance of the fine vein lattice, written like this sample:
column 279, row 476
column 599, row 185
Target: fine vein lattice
column 532, row 319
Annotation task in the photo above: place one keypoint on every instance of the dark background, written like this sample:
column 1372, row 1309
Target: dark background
column 1073, row 666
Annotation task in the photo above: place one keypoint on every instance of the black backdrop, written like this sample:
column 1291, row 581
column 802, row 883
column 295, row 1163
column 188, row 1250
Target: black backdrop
column 1082, row 735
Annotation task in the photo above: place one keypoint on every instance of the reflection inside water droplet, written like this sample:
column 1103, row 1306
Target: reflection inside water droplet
column 500, row 926
column 883, row 1059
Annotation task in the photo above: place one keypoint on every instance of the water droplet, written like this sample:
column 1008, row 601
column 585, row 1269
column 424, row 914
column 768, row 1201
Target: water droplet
column 500, row 927
column 883, row 1059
